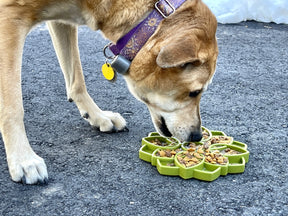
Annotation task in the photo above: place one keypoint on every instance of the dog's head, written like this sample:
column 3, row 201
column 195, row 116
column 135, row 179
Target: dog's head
column 175, row 66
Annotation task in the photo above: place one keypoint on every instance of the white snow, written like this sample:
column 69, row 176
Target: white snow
column 234, row 11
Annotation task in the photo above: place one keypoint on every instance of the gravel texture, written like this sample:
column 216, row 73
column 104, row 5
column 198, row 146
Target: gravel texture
column 91, row 173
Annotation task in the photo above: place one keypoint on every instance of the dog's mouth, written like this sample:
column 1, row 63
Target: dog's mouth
column 163, row 128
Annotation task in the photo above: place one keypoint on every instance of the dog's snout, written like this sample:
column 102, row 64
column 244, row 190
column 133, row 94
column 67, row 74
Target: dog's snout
column 195, row 136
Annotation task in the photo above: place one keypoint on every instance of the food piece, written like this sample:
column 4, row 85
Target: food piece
column 205, row 134
column 189, row 159
column 162, row 153
column 158, row 142
column 168, row 152
column 200, row 151
column 162, row 143
column 215, row 158
column 220, row 139
column 197, row 155
column 192, row 146
column 172, row 139
column 229, row 151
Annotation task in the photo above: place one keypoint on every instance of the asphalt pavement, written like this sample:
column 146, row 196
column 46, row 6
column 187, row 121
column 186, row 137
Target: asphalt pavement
column 91, row 173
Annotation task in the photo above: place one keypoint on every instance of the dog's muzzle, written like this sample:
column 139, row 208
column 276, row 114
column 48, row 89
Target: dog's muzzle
column 194, row 136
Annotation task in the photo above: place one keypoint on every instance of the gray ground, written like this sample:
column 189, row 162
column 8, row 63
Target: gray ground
column 100, row 174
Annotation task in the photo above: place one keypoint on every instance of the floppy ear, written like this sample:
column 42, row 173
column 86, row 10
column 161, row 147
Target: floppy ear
column 178, row 53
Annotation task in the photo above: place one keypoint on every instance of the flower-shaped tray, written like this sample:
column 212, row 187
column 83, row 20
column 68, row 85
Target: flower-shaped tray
column 216, row 154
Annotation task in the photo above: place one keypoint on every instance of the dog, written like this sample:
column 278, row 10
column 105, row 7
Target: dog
column 169, row 72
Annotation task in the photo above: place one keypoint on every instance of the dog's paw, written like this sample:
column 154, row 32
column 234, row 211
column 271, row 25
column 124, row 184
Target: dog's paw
column 107, row 121
column 28, row 169
column 119, row 123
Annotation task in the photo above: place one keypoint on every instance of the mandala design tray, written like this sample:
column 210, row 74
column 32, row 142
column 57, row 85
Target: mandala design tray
column 216, row 154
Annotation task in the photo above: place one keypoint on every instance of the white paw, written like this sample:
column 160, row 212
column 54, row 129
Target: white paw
column 106, row 121
column 29, row 168
column 117, row 120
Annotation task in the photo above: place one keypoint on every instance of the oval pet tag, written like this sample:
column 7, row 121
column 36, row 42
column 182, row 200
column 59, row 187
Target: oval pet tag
column 108, row 72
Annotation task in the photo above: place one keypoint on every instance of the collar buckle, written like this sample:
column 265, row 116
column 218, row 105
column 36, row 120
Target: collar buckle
column 165, row 8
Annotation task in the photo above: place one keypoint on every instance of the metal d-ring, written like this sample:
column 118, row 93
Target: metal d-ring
column 161, row 12
column 105, row 54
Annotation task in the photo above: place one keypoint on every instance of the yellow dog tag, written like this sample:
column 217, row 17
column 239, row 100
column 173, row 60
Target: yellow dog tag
column 108, row 72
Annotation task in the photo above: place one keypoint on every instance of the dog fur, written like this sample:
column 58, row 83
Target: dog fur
column 169, row 73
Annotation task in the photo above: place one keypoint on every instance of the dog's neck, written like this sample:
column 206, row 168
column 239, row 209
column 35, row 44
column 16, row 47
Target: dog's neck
column 130, row 44
column 114, row 23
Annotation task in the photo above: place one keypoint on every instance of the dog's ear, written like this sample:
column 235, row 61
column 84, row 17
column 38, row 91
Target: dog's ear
column 179, row 53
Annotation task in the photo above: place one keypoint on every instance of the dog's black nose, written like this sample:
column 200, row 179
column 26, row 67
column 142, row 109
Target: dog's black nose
column 195, row 136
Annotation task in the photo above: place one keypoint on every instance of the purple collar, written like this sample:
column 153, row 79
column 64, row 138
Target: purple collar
column 130, row 44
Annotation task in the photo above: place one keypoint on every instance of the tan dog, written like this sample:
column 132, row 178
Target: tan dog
column 168, row 74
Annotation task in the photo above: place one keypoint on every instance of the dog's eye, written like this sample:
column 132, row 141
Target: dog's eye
column 194, row 93
column 195, row 63
column 183, row 66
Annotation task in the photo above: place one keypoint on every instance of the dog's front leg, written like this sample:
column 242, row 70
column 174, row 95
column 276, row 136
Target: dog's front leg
column 24, row 165
column 65, row 41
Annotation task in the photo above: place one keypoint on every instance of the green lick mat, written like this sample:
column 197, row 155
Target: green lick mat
column 216, row 154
